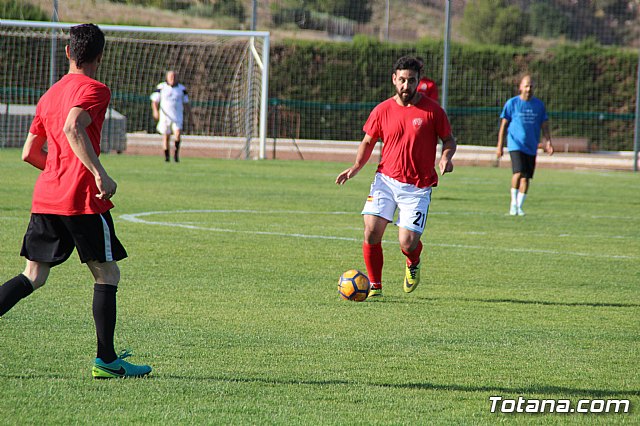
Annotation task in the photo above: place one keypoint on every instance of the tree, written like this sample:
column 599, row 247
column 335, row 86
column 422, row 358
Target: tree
column 547, row 20
column 357, row 10
column 14, row 9
column 494, row 22
column 230, row 8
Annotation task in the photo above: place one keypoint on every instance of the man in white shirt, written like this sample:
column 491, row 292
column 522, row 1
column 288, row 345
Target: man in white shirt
column 169, row 101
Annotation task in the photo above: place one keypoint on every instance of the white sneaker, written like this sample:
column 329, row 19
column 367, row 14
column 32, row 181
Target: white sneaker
column 513, row 210
column 521, row 212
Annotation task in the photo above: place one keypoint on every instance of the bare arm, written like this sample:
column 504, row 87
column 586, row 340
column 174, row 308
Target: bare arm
column 364, row 153
column 75, row 130
column 501, row 135
column 156, row 111
column 449, row 147
column 33, row 152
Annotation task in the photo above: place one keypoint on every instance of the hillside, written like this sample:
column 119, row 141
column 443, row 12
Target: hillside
column 409, row 20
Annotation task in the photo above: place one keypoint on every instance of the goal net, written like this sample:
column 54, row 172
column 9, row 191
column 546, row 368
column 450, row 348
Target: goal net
column 225, row 73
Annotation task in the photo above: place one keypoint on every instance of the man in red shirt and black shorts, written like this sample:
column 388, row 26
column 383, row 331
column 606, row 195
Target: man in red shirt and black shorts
column 72, row 196
column 410, row 124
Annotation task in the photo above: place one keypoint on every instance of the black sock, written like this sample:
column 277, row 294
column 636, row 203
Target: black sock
column 175, row 156
column 166, row 155
column 104, row 315
column 14, row 290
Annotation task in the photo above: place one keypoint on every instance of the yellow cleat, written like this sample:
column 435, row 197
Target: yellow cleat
column 411, row 278
column 375, row 293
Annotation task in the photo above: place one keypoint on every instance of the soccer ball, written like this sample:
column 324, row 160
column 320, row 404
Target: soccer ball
column 353, row 285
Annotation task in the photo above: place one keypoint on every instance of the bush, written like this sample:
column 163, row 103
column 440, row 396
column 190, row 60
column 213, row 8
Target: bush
column 547, row 21
column 230, row 8
column 14, row 9
column 335, row 85
column 493, row 22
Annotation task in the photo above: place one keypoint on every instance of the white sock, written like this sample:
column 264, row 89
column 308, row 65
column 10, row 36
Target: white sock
column 520, row 199
column 514, row 196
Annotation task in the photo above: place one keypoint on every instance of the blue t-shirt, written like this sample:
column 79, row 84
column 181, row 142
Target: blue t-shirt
column 525, row 120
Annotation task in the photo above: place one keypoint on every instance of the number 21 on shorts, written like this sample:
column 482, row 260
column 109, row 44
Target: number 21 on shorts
column 420, row 219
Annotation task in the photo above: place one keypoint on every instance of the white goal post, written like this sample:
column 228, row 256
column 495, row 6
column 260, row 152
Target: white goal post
column 226, row 74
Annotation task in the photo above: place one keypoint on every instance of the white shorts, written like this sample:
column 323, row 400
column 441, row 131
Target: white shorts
column 388, row 194
column 166, row 126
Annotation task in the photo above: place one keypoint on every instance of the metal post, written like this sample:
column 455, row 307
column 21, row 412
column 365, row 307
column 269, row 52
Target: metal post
column 54, row 45
column 386, row 21
column 264, row 97
column 5, row 131
column 248, row 124
column 445, row 67
column 636, row 137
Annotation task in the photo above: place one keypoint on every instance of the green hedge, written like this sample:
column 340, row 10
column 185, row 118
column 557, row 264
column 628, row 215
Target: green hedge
column 589, row 90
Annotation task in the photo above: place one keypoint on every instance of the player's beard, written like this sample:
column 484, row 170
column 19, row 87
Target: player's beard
column 406, row 96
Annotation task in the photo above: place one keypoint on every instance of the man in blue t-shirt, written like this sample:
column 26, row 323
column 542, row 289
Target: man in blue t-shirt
column 521, row 120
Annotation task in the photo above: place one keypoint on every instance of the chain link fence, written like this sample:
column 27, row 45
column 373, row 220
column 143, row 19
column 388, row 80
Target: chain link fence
column 331, row 59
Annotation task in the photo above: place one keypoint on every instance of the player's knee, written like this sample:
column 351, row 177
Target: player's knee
column 408, row 244
column 105, row 273
column 112, row 275
column 372, row 236
column 405, row 246
column 37, row 274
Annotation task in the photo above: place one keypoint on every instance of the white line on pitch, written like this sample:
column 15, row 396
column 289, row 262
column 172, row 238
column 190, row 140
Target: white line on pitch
column 137, row 218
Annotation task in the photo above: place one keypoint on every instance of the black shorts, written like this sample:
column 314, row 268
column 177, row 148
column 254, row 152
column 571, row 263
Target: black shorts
column 51, row 238
column 522, row 163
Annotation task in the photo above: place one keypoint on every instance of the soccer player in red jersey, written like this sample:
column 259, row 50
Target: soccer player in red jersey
column 72, row 196
column 428, row 87
column 410, row 124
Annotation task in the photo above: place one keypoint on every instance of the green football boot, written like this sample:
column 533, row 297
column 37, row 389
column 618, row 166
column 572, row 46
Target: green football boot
column 118, row 368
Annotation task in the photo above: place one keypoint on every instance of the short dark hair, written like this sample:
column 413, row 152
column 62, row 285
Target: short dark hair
column 408, row 63
column 86, row 43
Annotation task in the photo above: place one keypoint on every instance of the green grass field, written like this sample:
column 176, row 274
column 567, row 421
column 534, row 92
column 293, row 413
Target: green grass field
column 229, row 292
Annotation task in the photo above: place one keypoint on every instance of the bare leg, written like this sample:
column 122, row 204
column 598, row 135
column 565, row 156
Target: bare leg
column 177, row 134
column 165, row 146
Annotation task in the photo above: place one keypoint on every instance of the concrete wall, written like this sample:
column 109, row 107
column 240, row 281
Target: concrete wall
column 16, row 119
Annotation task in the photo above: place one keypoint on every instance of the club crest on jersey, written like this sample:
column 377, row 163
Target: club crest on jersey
column 417, row 122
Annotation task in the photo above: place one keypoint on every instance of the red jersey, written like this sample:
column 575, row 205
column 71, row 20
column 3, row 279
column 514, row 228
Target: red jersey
column 428, row 87
column 410, row 135
column 66, row 187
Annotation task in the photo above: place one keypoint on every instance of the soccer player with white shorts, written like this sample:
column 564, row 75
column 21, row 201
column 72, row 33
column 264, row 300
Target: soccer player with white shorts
column 168, row 102
column 388, row 195
column 410, row 125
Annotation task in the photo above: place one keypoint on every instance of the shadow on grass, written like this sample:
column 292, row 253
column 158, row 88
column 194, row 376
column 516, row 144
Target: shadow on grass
column 525, row 390
column 519, row 301
column 560, row 391
column 542, row 302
